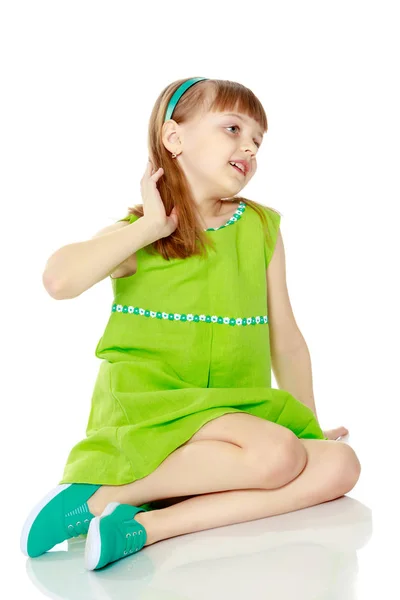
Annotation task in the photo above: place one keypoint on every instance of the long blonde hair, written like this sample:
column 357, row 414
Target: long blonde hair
column 189, row 238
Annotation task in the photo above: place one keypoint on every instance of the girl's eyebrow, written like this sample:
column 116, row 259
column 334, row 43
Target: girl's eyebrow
column 241, row 118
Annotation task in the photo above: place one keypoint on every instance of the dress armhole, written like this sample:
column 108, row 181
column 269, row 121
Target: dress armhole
column 131, row 218
column 273, row 222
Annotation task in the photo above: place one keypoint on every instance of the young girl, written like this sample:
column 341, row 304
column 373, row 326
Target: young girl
column 183, row 409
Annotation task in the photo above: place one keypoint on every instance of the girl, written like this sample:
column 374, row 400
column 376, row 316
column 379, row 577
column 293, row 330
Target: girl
column 184, row 409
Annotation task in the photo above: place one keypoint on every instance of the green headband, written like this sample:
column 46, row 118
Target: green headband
column 178, row 93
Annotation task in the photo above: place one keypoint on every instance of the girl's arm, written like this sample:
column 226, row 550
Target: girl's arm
column 74, row 268
column 290, row 357
column 284, row 332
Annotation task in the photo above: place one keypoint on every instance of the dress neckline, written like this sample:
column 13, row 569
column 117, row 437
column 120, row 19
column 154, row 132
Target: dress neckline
column 234, row 218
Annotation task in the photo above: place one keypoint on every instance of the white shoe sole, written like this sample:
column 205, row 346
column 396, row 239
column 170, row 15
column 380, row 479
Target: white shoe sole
column 93, row 540
column 34, row 513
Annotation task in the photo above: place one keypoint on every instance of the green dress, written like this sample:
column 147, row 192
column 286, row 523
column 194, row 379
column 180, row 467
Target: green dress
column 187, row 340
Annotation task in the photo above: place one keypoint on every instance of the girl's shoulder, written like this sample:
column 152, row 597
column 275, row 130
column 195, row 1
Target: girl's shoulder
column 270, row 221
column 271, row 215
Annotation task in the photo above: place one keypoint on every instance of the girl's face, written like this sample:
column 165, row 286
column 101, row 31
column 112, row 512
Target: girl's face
column 205, row 147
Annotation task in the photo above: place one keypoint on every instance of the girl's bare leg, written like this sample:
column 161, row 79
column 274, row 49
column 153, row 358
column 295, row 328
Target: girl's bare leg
column 213, row 465
column 203, row 467
column 331, row 471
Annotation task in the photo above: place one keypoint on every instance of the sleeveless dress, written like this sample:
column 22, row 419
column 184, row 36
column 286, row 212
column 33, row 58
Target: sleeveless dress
column 187, row 341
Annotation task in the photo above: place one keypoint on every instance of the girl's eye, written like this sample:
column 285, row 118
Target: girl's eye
column 237, row 126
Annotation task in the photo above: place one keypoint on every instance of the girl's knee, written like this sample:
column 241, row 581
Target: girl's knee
column 288, row 461
column 346, row 468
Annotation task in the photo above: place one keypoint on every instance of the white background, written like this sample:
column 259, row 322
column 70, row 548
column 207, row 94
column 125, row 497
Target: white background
column 79, row 80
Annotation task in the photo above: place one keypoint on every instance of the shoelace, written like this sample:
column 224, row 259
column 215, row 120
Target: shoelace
column 132, row 541
column 79, row 528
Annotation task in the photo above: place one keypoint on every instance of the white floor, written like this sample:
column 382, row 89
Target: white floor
column 346, row 549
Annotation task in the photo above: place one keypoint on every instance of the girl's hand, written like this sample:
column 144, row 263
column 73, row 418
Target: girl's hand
column 333, row 434
column 153, row 206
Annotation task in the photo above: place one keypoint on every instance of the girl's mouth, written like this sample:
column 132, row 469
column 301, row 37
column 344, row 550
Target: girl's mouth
column 237, row 169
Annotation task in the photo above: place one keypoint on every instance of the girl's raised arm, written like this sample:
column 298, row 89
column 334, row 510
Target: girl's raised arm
column 74, row 268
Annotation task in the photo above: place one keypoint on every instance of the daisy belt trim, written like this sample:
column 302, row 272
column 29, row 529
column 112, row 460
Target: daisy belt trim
column 135, row 310
column 235, row 217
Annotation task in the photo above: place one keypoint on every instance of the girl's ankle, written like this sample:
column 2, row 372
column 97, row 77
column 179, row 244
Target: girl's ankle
column 98, row 501
column 146, row 519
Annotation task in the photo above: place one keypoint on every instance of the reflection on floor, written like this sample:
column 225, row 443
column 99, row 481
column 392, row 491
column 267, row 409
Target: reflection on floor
column 299, row 555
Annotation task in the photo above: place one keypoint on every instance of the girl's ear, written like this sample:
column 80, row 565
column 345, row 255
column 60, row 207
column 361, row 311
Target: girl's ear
column 172, row 135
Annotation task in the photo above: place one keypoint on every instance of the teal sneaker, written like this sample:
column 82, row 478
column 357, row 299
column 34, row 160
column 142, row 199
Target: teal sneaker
column 113, row 535
column 62, row 514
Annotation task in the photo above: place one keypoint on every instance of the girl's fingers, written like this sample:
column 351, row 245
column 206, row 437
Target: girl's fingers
column 151, row 169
